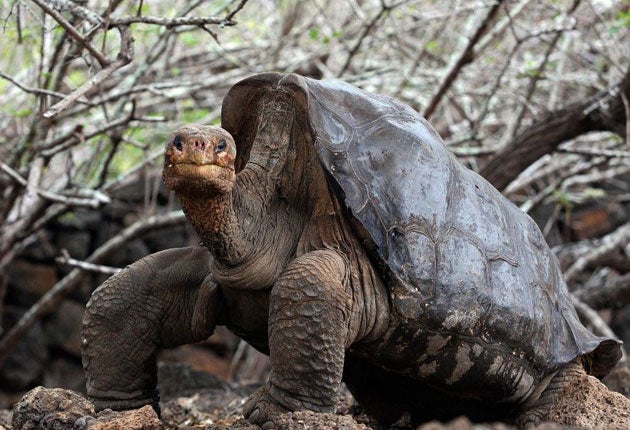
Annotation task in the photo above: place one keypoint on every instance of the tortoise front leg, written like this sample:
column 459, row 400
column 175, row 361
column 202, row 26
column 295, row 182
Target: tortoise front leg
column 310, row 310
column 161, row 301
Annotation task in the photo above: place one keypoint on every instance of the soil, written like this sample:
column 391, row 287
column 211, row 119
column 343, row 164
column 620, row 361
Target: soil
column 198, row 400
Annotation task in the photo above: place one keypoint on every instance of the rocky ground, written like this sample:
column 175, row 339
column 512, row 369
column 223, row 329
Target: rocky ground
column 193, row 399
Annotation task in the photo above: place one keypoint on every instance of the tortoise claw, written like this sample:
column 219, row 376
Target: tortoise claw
column 261, row 409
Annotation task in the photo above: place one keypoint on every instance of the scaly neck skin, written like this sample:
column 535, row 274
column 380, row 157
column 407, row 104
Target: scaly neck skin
column 216, row 223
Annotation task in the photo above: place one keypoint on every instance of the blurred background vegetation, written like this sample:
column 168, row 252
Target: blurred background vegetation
column 531, row 94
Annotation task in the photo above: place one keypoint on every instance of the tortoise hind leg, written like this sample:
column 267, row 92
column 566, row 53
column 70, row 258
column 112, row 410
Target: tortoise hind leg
column 576, row 399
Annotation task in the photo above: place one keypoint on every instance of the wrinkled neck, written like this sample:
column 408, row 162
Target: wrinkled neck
column 216, row 223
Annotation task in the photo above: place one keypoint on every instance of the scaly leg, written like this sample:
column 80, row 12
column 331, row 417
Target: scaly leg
column 310, row 310
column 161, row 301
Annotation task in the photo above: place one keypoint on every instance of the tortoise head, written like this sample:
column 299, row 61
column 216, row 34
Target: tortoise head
column 199, row 161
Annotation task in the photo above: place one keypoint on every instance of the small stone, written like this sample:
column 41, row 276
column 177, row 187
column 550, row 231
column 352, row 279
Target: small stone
column 144, row 418
column 51, row 408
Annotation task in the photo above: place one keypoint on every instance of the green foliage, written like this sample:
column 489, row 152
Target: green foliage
column 77, row 77
column 564, row 199
column 195, row 115
column 190, row 39
column 621, row 22
column 432, row 47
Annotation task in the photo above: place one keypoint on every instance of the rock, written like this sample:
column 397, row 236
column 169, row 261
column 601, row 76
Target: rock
column 306, row 420
column 137, row 419
column 180, row 380
column 620, row 324
column 191, row 398
column 63, row 328
column 76, row 242
column 619, row 379
column 65, row 372
column 199, row 358
column 50, row 408
column 26, row 362
column 578, row 406
column 183, row 235
column 6, row 416
column 29, row 281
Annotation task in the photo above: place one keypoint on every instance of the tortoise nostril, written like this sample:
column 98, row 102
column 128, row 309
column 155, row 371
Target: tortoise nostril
column 177, row 142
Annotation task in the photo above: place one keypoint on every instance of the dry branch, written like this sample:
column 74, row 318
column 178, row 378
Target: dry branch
column 124, row 57
column 66, row 259
column 47, row 303
column 464, row 58
column 73, row 32
column 603, row 111
column 96, row 201
column 610, row 244
column 614, row 293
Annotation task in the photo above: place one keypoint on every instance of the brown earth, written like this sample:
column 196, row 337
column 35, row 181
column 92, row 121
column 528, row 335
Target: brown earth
column 197, row 400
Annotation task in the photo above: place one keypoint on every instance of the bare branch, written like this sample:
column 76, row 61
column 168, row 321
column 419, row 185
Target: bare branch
column 610, row 244
column 465, row 57
column 595, row 152
column 72, row 31
column 604, row 111
column 48, row 301
column 77, row 11
column 36, row 91
column 48, row 149
column 98, row 200
column 614, row 293
column 65, row 258
column 626, row 109
column 124, row 57
column 228, row 19
column 197, row 21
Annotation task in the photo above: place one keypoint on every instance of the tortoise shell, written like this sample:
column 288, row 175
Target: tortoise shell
column 457, row 256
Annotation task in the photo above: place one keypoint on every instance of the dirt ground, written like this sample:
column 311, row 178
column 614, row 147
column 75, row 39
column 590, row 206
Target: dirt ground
column 196, row 400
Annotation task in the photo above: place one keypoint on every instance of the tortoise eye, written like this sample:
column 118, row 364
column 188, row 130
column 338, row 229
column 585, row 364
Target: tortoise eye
column 177, row 142
column 221, row 145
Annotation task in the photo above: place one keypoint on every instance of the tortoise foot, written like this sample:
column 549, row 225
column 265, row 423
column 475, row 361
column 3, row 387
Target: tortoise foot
column 261, row 408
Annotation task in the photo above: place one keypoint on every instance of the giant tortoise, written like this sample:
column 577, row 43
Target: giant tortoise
column 343, row 239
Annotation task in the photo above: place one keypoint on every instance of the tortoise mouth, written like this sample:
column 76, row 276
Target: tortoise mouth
column 196, row 170
column 197, row 179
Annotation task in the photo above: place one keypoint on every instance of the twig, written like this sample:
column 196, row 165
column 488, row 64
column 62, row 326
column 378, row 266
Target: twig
column 465, row 57
column 77, row 11
column 48, row 149
column 610, row 243
column 626, row 108
column 95, row 202
column 595, row 152
column 66, row 259
column 124, row 57
column 228, row 18
column 366, row 30
column 47, row 303
column 72, row 31
column 614, row 293
column 36, row 91
column 195, row 21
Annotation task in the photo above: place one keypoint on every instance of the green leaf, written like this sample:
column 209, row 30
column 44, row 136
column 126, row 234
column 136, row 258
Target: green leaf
column 190, row 39
column 432, row 47
column 195, row 115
